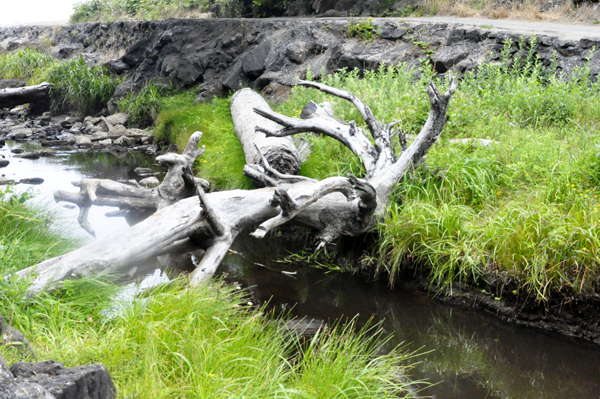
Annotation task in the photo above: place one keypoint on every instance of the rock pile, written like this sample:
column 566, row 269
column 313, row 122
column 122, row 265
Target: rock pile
column 95, row 133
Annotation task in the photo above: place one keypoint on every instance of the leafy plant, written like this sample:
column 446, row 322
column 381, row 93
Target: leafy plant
column 363, row 30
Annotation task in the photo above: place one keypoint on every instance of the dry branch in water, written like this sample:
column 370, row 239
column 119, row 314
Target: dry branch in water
column 332, row 207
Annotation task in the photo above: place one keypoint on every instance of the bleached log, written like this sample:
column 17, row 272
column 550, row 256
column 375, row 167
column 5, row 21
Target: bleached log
column 280, row 152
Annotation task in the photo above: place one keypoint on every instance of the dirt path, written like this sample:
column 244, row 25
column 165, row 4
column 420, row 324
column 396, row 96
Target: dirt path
column 570, row 32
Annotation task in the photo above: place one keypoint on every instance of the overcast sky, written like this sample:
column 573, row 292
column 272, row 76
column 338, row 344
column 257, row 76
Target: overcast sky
column 28, row 11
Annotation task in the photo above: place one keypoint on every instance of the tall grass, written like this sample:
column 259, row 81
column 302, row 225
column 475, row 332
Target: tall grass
column 25, row 64
column 523, row 209
column 188, row 343
column 142, row 107
column 76, row 86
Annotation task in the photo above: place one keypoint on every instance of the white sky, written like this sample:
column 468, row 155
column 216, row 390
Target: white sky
column 29, row 11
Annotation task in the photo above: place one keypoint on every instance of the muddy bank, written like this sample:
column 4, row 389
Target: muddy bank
column 574, row 315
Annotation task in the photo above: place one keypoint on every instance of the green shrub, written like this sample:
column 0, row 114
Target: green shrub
column 363, row 30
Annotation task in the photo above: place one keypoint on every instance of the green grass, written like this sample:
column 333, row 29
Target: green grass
column 200, row 343
column 177, row 341
column 76, row 87
column 223, row 161
column 144, row 106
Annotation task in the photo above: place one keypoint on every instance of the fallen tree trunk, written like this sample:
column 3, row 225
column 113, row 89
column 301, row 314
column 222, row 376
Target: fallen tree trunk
column 332, row 207
column 38, row 96
column 281, row 153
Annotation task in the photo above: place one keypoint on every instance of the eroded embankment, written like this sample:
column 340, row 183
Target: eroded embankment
column 221, row 55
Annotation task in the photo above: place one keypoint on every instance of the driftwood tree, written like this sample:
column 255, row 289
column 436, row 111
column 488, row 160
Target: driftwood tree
column 332, row 207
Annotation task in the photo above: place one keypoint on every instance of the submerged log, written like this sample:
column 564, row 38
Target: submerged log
column 37, row 96
column 332, row 207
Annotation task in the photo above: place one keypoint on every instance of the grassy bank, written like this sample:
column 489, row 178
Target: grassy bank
column 77, row 87
column 180, row 342
column 532, row 10
column 522, row 210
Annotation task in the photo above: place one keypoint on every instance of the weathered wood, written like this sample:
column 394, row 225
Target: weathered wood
column 331, row 207
column 39, row 94
column 179, row 183
column 281, row 153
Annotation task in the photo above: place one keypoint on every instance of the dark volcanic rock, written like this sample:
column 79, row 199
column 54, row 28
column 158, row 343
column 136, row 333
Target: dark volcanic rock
column 32, row 180
column 11, row 83
column 4, row 163
column 218, row 55
column 83, row 382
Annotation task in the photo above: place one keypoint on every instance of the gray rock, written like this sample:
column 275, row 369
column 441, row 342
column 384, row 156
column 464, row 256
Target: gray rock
column 5, row 373
column 13, row 338
column 253, row 63
column 28, row 155
column 118, row 129
column 297, row 52
column 4, row 163
column 99, row 135
column 104, row 143
column 19, row 133
column 150, row 182
column 82, row 141
column 17, row 150
column 32, row 180
column 447, row 57
column 118, row 119
column 12, row 83
column 144, row 172
column 124, row 141
column 84, row 382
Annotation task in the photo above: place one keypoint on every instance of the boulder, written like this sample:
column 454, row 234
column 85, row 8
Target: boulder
column 118, row 119
column 447, row 57
column 12, row 83
column 82, row 141
column 51, row 379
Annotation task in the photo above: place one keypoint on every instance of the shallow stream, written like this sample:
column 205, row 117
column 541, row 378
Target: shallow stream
column 467, row 354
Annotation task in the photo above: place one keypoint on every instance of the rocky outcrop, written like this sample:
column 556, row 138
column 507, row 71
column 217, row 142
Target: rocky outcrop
column 222, row 55
column 52, row 380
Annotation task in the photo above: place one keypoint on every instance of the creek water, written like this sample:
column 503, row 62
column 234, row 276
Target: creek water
column 466, row 354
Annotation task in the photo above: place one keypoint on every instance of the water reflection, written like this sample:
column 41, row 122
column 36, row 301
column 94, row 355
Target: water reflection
column 60, row 170
column 469, row 355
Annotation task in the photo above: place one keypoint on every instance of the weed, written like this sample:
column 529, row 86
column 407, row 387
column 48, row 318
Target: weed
column 142, row 107
column 364, row 30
